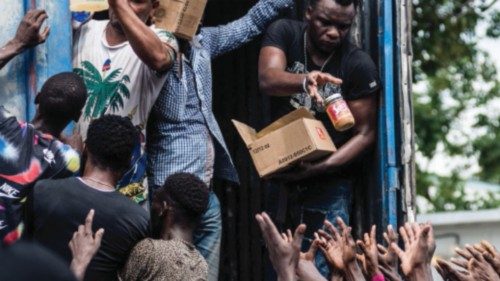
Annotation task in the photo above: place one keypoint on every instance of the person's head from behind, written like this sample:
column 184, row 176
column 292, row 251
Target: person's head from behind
column 329, row 22
column 110, row 142
column 143, row 9
column 181, row 201
column 61, row 100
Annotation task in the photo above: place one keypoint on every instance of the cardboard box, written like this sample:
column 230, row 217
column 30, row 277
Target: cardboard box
column 181, row 17
column 294, row 137
column 88, row 5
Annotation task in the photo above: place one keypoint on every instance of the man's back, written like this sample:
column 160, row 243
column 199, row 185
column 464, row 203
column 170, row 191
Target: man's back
column 59, row 206
column 27, row 155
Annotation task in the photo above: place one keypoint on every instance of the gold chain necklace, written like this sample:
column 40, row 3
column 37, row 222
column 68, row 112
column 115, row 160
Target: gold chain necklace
column 305, row 55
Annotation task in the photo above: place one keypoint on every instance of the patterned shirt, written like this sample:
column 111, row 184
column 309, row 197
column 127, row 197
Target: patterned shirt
column 26, row 156
column 173, row 260
column 182, row 122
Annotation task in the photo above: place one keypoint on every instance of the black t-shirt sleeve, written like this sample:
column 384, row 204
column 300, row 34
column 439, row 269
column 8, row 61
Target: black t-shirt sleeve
column 279, row 35
column 362, row 77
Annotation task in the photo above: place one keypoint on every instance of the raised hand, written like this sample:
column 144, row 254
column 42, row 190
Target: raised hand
column 479, row 268
column 370, row 252
column 339, row 249
column 475, row 268
column 419, row 248
column 387, row 258
column 490, row 254
column 306, row 269
column 450, row 273
column 284, row 250
column 84, row 245
column 28, row 33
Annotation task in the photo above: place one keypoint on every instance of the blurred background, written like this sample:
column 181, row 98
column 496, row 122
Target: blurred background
column 456, row 98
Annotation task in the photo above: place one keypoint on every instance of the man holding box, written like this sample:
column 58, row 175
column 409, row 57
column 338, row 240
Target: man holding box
column 124, row 64
column 296, row 61
column 183, row 135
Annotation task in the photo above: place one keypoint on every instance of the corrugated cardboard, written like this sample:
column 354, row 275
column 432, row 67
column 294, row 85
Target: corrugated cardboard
column 294, row 137
column 88, row 5
column 181, row 17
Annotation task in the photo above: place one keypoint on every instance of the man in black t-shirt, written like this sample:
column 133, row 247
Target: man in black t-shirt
column 57, row 207
column 299, row 63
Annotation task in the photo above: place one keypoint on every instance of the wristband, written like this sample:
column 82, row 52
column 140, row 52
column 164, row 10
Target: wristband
column 304, row 82
column 378, row 277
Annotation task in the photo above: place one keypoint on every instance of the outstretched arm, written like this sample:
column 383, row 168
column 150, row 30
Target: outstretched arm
column 222, row 39
column 27, row 36
column 145, row 43
column 275, row 81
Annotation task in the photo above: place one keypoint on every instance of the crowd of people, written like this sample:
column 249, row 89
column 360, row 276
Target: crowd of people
column 128, row 196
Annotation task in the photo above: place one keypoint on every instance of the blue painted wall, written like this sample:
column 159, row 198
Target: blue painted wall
column 23, row 77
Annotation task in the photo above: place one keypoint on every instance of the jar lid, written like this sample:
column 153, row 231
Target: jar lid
column 333, row 97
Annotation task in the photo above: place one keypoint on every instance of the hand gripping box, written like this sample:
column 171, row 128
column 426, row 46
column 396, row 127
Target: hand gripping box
column 181, row 17
column 294, row 137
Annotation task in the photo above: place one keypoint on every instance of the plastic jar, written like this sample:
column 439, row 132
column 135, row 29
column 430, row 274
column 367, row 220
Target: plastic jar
column 339, row 112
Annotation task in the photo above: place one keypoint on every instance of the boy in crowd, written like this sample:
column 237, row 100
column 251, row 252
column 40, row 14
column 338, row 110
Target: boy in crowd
column 176, row 210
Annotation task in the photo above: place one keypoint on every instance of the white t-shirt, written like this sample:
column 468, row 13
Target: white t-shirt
column 118, row 82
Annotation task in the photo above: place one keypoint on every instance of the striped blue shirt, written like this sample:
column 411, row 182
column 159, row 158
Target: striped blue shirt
column 183, row 128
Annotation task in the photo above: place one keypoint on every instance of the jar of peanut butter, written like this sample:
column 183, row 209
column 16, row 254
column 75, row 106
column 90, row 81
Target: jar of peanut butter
column 339, row 112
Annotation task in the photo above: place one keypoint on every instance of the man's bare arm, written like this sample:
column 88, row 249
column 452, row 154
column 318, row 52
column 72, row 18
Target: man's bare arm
column 27, row 36
column 365, row 113
column 143, row 40
column 275, row 81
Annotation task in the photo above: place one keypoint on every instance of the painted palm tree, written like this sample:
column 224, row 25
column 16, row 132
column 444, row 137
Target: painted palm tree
column 104, row 92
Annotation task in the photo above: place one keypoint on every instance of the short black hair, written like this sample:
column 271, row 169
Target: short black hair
column 110, row 142
column 344, row 3
column 187, row 193
column 62, row 98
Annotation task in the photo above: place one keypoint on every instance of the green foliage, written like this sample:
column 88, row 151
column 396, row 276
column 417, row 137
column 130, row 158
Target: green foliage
column 449, row 193
column 454, row 75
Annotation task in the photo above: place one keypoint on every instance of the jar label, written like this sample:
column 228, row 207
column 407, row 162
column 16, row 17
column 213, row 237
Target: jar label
column 337, row 110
